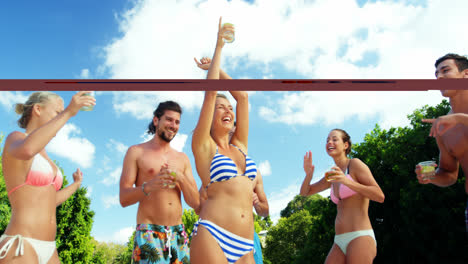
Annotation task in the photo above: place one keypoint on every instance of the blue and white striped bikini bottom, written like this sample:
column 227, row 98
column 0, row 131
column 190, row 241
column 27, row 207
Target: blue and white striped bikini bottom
column 233, row 246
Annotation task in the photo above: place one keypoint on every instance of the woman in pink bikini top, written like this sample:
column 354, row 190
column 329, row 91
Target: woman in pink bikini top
column 351, row 187
column 33, row 181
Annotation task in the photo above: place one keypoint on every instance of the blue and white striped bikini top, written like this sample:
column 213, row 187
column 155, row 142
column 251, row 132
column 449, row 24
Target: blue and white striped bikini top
column 223, row 168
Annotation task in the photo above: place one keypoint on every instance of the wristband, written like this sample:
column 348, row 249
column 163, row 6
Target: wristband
column 143, row 189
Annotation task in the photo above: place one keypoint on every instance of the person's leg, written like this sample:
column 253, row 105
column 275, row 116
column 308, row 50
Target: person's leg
column 54, row 259
column 204, row 249
column 361, row 250
column 335, row 256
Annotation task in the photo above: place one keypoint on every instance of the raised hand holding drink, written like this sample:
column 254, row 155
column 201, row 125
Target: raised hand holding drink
column 228, row 36
column 88, row 108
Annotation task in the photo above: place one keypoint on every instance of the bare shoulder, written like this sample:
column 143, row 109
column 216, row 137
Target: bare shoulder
column 15, row 135
column 356, row 164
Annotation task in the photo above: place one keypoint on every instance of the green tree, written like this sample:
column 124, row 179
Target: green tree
column 105, row 253
column 5, row 212
column 189, row 218
column 417, row 223
column 305, row 231
column 125, row 256
column 74, row 224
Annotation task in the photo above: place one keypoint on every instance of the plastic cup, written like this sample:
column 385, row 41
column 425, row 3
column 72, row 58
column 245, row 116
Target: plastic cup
column 428, row 169
column 88, row 108
column 172, row 173
column 330, row 173
column 228, row 36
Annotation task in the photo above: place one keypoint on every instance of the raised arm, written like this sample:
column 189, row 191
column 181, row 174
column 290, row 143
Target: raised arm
column 260, row 201
column 307, row 188
column 241, row 135
column 66, row 192
column 214, row 70
column 365, row 183
column 25, row 147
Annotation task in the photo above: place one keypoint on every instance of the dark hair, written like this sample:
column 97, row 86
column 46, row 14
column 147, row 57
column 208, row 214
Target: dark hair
column 162, row 108
column 346, row 138
column 460, row 61
column 25, row 110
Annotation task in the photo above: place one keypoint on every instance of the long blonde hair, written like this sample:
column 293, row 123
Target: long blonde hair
column 25, row 109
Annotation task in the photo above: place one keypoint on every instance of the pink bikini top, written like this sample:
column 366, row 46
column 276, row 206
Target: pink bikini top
column 344, row 191
column 41, row 174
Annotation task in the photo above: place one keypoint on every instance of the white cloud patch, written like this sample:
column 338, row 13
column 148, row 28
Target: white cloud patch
column 378, row 40
column 113, row 177
column 332, row 108
column 265, row 168
column 110, row 200
column 141, row 105
column 279, row 201
column 68, row 139
column 84, row 74
column 117, row 146
column 382, row 39
column 121, row 236
column 9, row 99
column 89, row 191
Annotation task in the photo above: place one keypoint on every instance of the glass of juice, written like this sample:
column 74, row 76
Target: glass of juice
column 229, row 35
column 428, row 169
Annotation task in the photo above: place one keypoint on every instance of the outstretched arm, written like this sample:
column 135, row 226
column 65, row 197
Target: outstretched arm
column 307, row 188
column 25, row 147
column 66, row 192
column 444, row 123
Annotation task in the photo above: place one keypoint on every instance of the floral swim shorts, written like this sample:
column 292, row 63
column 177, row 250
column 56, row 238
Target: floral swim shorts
column 160, row 244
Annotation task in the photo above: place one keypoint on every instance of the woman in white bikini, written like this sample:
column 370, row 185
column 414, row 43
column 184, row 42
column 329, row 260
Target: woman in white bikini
column 352, row 186
column 33, row 181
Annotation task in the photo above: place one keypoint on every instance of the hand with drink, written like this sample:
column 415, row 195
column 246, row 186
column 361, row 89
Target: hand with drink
column 335, row 174
column 225, row 33
column 425, row 171
column 171, row 174
column 78, row 101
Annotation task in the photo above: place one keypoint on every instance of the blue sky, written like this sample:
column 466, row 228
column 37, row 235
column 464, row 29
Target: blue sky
column 333, row 39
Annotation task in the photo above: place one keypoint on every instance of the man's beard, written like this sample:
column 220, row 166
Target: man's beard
column 163, row 136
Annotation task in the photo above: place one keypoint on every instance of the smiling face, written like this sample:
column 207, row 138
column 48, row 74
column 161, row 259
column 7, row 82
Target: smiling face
column 223, row 116
column 335, row 145
column 168, row 125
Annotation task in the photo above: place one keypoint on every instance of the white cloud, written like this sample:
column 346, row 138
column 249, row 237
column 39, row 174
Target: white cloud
column 264, row 168
column 9, row 99
column 117, row 146
column 89, row 191
column 67, row 139
column 158, row 41
column 84, row 74
column 279, row 201
column 110, row 200
column 141, row 105
column 113, row 177
column 332, row 108
column 121, row 236
column 404, row 39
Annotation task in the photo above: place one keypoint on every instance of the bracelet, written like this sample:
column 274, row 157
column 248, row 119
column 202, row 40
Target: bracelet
column 143, row 189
